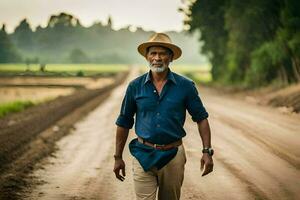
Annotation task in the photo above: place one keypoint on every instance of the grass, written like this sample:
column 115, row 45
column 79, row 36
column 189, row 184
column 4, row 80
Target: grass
column 12, row 107
column 199, row 77
column 198, row 73
column 63, row 69
column 52, row 70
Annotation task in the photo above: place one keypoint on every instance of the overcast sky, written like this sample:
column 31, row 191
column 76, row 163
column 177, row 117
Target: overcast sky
column 156, row 15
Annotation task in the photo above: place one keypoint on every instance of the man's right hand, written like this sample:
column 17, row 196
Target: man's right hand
column 119, row 165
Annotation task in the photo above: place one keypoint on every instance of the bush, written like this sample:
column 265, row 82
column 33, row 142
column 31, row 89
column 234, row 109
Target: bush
column 80, row 73
column 15, row 106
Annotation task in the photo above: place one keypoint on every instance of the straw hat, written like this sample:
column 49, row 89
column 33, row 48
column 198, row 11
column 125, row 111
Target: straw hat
column 160, row 39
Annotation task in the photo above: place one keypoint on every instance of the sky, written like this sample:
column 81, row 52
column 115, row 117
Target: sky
column 155, row 15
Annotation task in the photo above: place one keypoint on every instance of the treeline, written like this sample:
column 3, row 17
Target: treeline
column 8, row 52
column 252, row 42
column 65, row 40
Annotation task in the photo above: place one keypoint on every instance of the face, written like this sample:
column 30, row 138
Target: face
column 159, row 59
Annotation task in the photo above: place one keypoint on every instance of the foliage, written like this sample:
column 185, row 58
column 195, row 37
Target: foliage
column 23, row 36
column 58, row 40
column 252, row 41
column 15, row 106
column 8, row 52
column 78, row 56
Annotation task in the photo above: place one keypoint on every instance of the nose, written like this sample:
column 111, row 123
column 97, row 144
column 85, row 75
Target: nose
column 157, row 57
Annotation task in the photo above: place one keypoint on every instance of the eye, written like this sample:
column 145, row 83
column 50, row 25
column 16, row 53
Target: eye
column 163, row 54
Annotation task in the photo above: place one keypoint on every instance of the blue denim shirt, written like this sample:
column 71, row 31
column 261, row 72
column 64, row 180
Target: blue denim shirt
column 159, row 119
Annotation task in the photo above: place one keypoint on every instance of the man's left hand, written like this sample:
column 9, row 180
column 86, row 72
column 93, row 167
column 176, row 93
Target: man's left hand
column 207, row 163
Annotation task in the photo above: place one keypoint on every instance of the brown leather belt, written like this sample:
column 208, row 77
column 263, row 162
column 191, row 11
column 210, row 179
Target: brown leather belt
column 161, row 146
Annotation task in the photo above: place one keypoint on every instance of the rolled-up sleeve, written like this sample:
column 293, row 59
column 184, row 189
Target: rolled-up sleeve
column 194, row 104
column 128, row 109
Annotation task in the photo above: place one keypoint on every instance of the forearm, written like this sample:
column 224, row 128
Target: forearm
column 204, row 131
column 121, row 138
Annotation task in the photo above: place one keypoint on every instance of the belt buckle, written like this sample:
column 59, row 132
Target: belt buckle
column 157, row 146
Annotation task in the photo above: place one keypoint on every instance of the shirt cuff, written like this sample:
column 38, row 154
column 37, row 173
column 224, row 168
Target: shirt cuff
column 125, row 122
column 200, row 116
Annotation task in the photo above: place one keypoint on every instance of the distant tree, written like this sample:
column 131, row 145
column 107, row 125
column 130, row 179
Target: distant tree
column 42, row 67
column 29, row 61
column 54, row 43
column 8, row 52
column 109, row 22
column 78, row 56
column 63, row 20
column 57, row 37
column 23, row 36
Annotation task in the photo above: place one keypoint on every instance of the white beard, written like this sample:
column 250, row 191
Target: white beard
column 157, row 69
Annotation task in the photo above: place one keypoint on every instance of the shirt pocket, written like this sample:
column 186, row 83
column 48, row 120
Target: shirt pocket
column 146, row 104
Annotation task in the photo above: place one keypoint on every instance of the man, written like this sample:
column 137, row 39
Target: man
column 159, row 100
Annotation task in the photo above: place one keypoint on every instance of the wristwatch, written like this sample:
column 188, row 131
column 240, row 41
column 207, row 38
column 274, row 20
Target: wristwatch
column 208, row 150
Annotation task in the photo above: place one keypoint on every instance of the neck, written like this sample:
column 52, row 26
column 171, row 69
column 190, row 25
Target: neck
column 159, row 77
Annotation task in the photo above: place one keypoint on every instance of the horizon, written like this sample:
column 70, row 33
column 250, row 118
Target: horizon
column 124, row 15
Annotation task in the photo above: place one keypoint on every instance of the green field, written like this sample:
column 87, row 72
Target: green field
column 64, row 69
column 198, row 73
column 53, row 70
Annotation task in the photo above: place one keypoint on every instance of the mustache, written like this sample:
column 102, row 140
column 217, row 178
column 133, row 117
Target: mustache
column 156, row 63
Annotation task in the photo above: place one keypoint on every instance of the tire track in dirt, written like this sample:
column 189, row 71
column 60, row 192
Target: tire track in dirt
column 245, row 168
column 269, row 145
column 222, row 176
column 234, row 125
column 83, row 163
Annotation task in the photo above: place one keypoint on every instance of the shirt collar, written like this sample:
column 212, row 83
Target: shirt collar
column 170, row 76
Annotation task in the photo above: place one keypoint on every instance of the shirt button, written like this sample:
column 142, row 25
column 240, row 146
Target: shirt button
column 154, row 91
column 158, row 113
column 158, row 125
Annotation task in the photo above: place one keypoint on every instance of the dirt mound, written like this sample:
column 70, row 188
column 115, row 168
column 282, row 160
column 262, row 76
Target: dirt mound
column 21, row 132
column 288, row 97
column 20, row 128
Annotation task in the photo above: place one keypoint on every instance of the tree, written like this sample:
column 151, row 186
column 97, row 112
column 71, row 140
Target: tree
column 78, row 56
column 109, row 22
column 8, row 52
column 23, row 36
column 251, row 41
column 63, row 20
column 207, row 17
column 250, row 23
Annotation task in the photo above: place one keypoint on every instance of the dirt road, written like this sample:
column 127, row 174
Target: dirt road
column 257, row 155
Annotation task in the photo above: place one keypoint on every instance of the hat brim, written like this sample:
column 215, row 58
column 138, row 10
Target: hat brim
column 142, row 48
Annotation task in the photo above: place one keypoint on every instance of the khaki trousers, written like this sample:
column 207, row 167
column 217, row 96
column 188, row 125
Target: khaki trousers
column 168, row 180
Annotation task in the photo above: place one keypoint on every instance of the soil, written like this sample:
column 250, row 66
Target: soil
column 33, row 94
column 257, row 155
column 28, row 136
column 88, row 82
column 285, row 99
column 38, row 89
